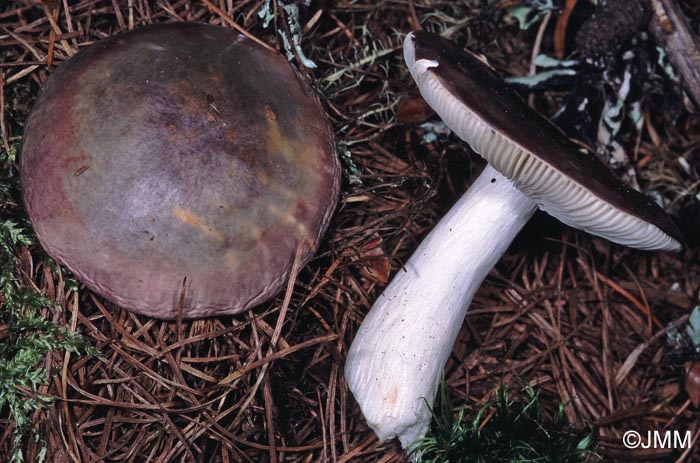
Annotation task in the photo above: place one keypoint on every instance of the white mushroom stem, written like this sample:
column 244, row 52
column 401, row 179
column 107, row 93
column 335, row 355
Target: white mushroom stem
column 396, row 359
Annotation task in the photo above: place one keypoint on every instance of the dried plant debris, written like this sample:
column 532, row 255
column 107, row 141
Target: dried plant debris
column 684, row 354
column 612, row 24
column 684, row 340
column 607, row 92
column 564, row 312
column 674, row 33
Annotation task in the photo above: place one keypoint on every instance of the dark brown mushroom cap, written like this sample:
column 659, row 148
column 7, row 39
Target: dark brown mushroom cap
column 530, row 150
column 179, row 151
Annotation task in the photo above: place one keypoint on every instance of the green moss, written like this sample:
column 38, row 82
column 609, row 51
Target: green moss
column 28, row 337
column 506, row 430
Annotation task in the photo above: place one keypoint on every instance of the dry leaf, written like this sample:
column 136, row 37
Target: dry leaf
column 413, row 110
column 692, row 383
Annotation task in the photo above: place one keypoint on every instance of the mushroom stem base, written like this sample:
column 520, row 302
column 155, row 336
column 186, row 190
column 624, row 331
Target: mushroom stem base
column 396, row 360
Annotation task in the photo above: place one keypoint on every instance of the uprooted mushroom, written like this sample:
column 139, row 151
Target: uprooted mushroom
column 397, row 357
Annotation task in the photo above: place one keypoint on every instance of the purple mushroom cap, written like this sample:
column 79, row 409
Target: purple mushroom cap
column 179, row 152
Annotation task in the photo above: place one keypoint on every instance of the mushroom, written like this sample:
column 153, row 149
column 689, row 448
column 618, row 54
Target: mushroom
column 395, row 362
column 179, row 152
